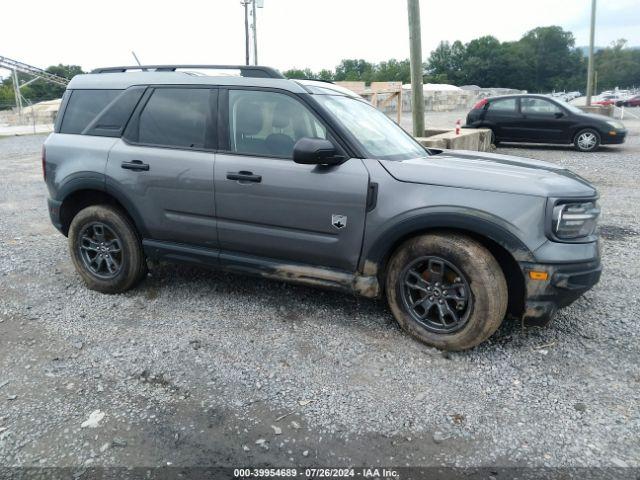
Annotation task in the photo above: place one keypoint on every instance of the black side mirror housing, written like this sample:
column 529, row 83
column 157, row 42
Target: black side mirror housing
column 316, row 151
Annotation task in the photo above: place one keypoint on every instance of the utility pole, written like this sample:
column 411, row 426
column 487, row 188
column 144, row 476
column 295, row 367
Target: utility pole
column 255, row 33
column 417, row 92
column 590, row 66
column 245, row 3
column 18, row 95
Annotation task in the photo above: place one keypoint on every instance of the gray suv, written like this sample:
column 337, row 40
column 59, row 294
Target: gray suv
column 304, row 181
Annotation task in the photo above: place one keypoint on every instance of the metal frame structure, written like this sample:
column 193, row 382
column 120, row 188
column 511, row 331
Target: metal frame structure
column 15, row 66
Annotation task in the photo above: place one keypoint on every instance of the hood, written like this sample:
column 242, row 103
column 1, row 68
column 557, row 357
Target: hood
column 597, row 116
column 488, row 171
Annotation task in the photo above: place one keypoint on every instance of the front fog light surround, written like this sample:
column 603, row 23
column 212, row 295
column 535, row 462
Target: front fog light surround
column 573, row 221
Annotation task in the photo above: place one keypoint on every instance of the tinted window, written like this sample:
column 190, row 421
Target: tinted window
column 113, row 118
column 176, row 117
column 83, row 106
column 506, row 105
column 539, row 106
column 268, row 123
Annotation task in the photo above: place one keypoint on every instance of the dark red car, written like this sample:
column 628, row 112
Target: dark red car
column 606, row 100
column 630, row 102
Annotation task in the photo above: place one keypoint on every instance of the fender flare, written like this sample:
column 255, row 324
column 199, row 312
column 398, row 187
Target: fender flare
column 80, row 181
column 97, row 181
column 465, row 219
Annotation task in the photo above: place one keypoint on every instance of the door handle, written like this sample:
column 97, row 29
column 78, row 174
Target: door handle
column 244, row 176
column 136, row 165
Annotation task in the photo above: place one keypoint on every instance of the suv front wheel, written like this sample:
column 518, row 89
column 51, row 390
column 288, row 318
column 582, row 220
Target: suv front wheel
column 106, row 250
column 446, row 290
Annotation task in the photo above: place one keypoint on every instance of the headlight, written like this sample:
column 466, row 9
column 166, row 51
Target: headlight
column 616, row 125
column 575, row 220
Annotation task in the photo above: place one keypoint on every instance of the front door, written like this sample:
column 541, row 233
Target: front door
column 269, row 206
column 164, row 166
column 543, row 121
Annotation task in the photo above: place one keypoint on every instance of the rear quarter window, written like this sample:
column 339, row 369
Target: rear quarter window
column 505, row 105
column 112, row 120
column 83, row 107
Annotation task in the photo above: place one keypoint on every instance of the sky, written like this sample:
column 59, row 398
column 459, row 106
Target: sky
column 291, row 33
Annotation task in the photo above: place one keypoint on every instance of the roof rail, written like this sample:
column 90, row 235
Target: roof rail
column 245, row 70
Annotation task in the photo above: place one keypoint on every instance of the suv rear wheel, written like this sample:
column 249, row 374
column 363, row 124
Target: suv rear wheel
column 587, row 140
column 106, row 249
column 446, row 290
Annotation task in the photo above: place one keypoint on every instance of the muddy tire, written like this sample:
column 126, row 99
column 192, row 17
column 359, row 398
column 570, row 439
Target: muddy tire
column 106, row 249
column 446, row 290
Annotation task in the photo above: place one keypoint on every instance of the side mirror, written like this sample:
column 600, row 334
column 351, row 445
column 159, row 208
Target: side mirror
column 316, row 151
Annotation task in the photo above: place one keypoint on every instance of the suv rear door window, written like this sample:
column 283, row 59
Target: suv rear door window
column 83, row 107
column 177, row 117
column 269, row 123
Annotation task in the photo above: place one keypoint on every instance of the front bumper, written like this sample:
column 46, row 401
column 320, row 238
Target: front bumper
column 613, row 137
column 565, row 284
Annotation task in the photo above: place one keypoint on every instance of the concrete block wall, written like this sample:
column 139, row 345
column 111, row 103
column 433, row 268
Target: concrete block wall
column 599, row 109
column 475, row 139
column 448, row 100
column 11, row 117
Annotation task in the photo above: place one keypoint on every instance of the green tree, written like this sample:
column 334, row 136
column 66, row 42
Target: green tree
column 542, row 60
column 299, row 73
column 552, row 57
column 447, row 62
column 326, row 75
column 392, row 71
column 482, row 62
column 354, row 70
column 7, row 98
column 617, row 66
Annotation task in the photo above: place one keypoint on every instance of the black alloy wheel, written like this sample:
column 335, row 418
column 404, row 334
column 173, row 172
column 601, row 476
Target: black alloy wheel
column 436, row 294
column 101, row 250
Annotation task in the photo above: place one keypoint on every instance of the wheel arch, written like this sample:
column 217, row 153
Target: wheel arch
column 578, row 128
column 504, row 245
column 86, row 195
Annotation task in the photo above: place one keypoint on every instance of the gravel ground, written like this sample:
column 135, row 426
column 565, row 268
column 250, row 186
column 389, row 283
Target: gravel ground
column 197, row 367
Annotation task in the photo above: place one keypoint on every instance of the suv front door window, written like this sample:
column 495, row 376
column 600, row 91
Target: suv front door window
column 268, row 124
column 271, row 207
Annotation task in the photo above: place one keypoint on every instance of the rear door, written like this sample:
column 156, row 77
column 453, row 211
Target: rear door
column 269, row 206
column 501, row 114
column 163, row 166
column 544, row 121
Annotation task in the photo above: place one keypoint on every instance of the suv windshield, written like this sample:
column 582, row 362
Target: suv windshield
column 381, row 138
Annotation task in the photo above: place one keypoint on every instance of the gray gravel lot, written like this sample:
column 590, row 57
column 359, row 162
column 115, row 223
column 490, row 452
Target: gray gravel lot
column 197, row 367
